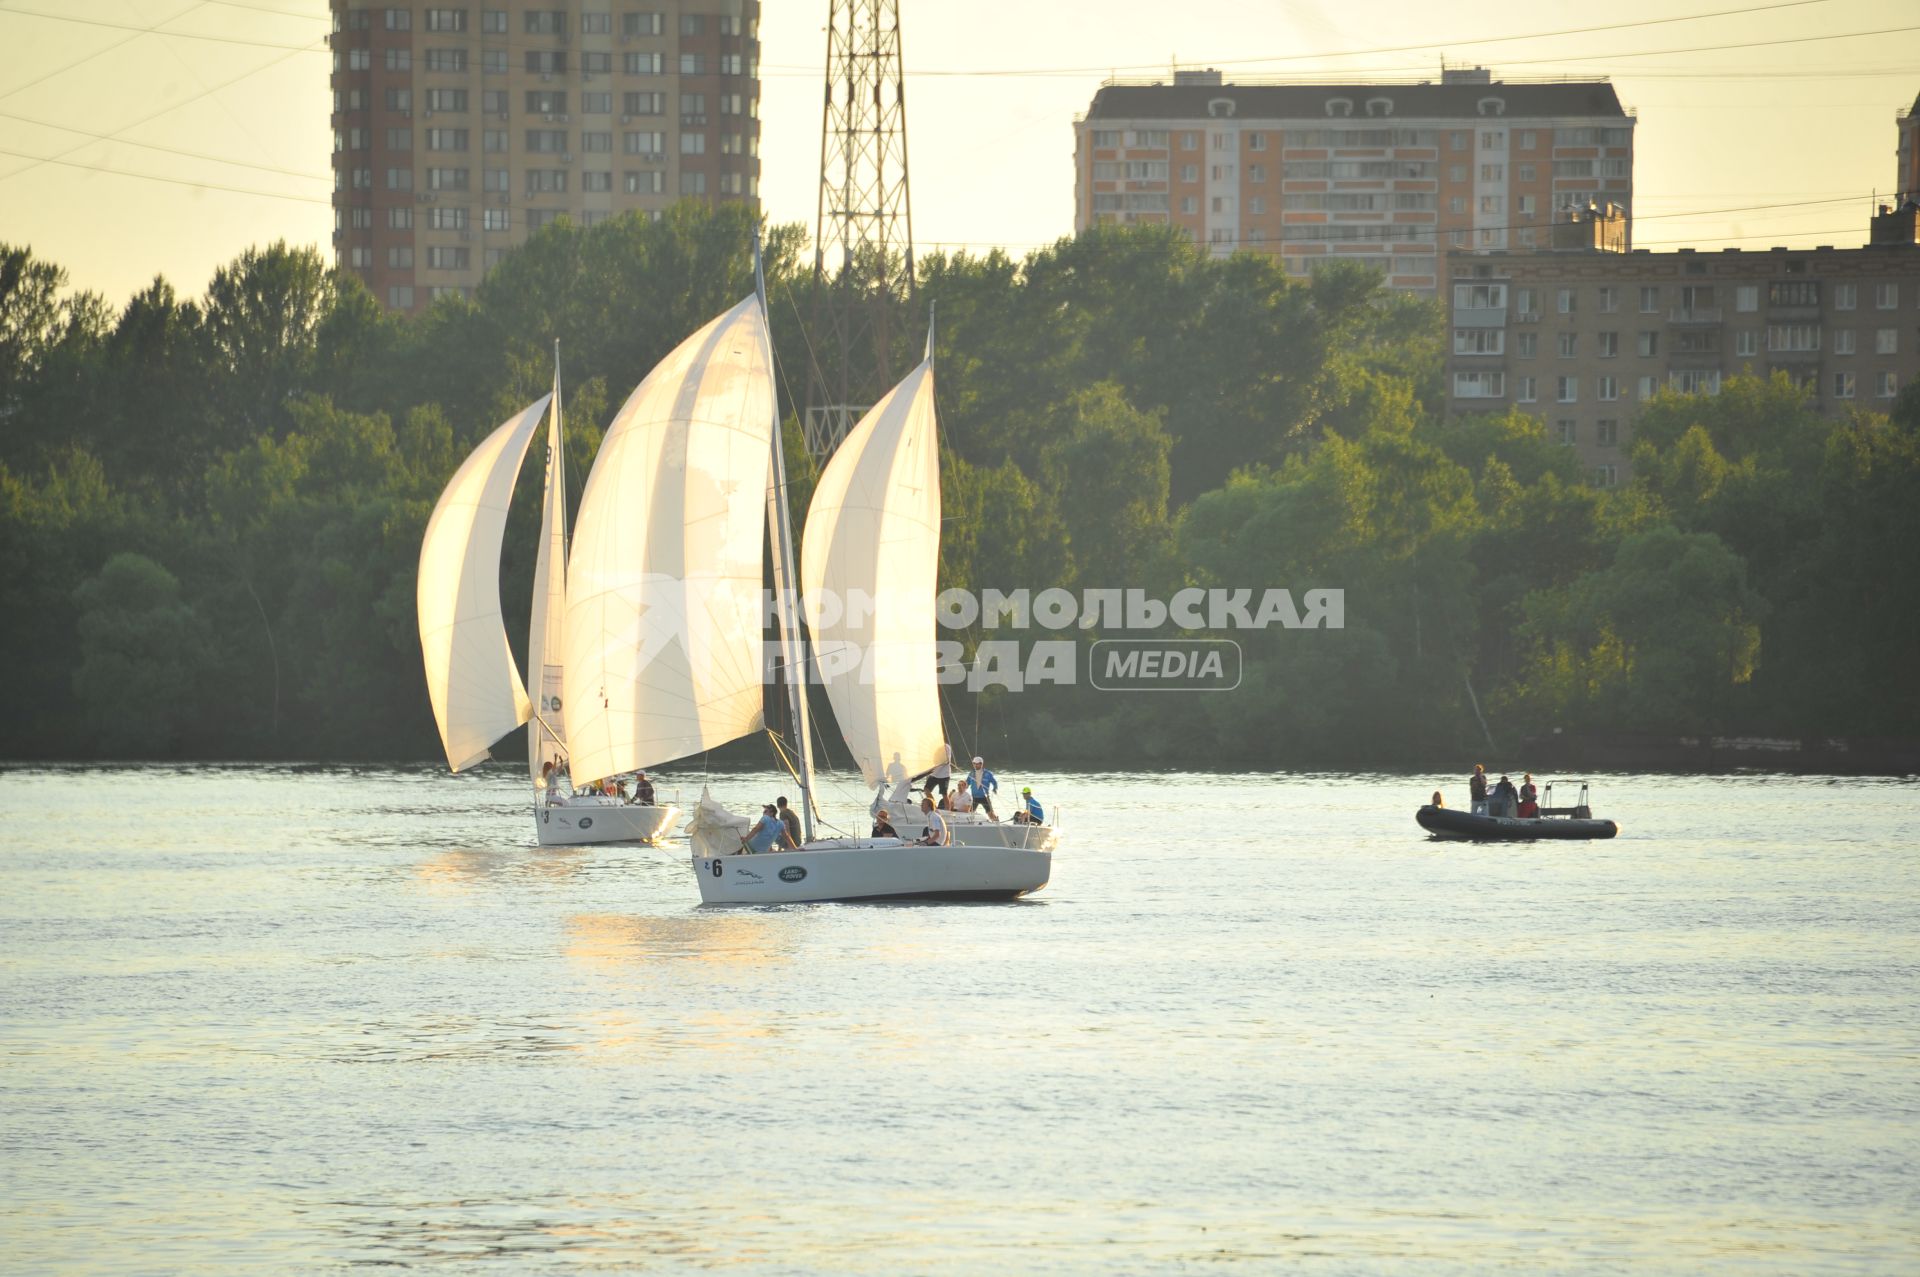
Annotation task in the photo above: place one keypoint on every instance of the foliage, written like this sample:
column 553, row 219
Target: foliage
column 211, row 507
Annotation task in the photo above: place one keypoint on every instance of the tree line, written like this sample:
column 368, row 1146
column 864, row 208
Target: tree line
column 211, row 508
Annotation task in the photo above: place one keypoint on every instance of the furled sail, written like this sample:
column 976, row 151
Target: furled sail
column 663, row 621
column 868, row 568
column 546, row 734
column 476, row 692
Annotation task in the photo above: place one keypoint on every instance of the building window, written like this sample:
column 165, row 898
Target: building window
column 495, row 180
column 496, row 219
column 1695, row 381
column 400, row 256
column 447, row 219
column 1846, row 296
column 399, row 19
column 1223, row 141
column 400, row 100
column 693, row 24
column 596, row 104
column 1746, row 342
column 652, row 183
column 399, row 179
column 446, row 257
column 1493, row 172
column 597, row 142
column 1479, row 385
column 596, row 182
column 544, row 62
column 1609, row 345
column 642, row 24
column 1886, row 296
column 596, row 24
column 643, row 104
column 1843, row 385
column 546, row 181
column 1256, row 141
column 1569, row 344
column 654, row 64
column 1606, row 476
column 1804, row 292
column 446, row 139
column 693, row 108
column 493, row 21
column 446, row 179
column 1479, row 341
column 399, row 59
column 493, row 141
column 1607, row 433
column 446, row 19
column 693, row 144
column 1607, row 389
column 636, row 143
column 1479, row 296
column 400, row 296
column 596, row 64
column 546, row 141
column 1525, row 345
column 1843, row 341
column 1189, row 172
column 1650, row 299
column 360, row 257
column 1647, row 344
column 1457, row 204
column 1525, row 174
column 1458, row 141
column 1529, row 139
column 1889, row 385
column 1566, row 301
column 1188, row 204
column 1256, row 206
column 693, row 64
column 1886, row 341
column 693, row 183
column 1526, row 389
column 1566, row 390
column 451, row 61
column 493, row 61
column 1456, row 172
column 1567, row 431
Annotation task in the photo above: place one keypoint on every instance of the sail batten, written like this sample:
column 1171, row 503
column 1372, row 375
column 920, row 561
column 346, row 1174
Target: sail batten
column 663, row 593
column 472, row 682
column 869, row 569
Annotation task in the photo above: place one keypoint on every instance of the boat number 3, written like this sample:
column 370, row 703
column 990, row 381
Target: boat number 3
column 719, row 866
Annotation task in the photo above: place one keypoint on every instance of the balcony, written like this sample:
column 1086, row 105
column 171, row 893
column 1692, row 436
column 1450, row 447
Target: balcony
column 1480, row 316
column 1793, row 356
column 1696, row 314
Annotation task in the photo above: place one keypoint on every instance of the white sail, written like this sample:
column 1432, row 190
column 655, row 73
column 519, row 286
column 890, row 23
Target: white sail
column 476, row 692
column 663, row 614
column 873, row 533
column 546, row 734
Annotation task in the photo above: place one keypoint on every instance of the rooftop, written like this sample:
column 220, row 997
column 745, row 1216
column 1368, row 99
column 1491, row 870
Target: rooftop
column 1380, row 102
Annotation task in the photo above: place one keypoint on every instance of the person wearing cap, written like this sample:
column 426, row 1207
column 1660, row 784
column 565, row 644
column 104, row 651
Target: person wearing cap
column 769, row 834
column 642, row 789
column 983, row 783
column 1031, row 812
column 1477, row 789
column 882, row 827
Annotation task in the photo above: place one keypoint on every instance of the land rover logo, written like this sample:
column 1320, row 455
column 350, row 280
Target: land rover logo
column 586, row 822
column 792, row 873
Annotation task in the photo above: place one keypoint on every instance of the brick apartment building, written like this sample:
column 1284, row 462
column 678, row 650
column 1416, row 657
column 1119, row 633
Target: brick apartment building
column 1581, row 336
column 458, row 131
column 1396, row 175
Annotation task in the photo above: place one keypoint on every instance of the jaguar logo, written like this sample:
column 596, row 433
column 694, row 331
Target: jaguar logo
column 792, row 873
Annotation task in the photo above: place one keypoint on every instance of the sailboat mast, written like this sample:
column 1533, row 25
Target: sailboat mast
column 780, row 525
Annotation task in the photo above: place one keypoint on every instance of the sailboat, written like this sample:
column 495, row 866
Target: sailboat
column 476, row 691
column 873, row 526
column 873, row 533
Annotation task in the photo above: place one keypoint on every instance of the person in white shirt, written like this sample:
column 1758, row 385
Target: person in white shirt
column 963, row 799
column 934, row 832
column 942, row 774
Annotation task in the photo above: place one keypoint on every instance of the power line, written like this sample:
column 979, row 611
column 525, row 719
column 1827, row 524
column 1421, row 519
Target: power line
column 155, row 177
column 171, row 35
column 68, row 66
column 306, row 175
column 1402, row 48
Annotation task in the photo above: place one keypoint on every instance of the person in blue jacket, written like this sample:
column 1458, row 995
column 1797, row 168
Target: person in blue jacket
column 983, row 784
column 1031, row 812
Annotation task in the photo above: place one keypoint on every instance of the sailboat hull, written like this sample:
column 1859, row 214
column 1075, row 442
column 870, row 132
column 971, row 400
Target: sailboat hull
column 572, row 824
column 864, row 870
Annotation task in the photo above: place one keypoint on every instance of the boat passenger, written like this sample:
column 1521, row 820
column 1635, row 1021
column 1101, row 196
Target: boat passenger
column 1505, row 798
column 896, row 770
column 934, row 832
column 1439, row 799
column 550, row 780
column 768, row 834
column 1529, row 809
column 963, row 799
column 1529, row 792
column 792, row 819
column 1030, row 812
column 983, row 784
column 882, row 827
column 940, row 775
column 1477, row 789
column 642, row 790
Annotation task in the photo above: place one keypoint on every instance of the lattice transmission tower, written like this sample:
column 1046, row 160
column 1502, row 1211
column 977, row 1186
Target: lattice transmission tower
column 863, row 235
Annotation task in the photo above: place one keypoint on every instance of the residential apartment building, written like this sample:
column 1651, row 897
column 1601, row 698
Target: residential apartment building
column 459, row 131
column 1907, row 180
column 1583, row 338
column 1396, row 175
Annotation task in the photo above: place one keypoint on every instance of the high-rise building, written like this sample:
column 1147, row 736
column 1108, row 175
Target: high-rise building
column 1396, row 175
column 1907, row 182
column 459, row 131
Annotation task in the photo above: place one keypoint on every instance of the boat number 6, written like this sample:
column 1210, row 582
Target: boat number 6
column 719, row 866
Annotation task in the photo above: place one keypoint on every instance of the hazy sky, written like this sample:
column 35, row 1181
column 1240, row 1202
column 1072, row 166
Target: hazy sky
column 231, row 138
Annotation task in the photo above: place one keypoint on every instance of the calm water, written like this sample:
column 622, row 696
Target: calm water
column 271, row 1019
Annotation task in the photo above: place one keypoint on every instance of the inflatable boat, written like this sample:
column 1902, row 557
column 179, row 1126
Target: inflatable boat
column 1552, row 822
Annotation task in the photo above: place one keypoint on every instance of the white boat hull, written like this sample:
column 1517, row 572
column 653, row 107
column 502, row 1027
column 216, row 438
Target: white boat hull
column 865, row 869
column 571, row 824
